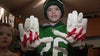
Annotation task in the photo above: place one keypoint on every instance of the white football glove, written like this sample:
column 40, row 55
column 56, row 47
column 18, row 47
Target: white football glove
column 76, row 27
column 29, row 34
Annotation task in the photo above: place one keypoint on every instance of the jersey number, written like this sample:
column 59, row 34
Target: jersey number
column 56, row 48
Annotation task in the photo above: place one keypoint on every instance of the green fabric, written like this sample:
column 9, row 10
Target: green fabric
column 46, row 32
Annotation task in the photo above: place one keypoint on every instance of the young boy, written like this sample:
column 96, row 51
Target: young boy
column 53, row 11
column 6, row 39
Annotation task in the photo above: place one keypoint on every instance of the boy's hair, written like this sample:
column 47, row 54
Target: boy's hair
column 53, row 2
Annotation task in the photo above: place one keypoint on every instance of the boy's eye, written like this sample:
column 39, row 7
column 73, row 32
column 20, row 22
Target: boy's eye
column 49, row 9
column 57, row 9
column 9, row 34
column 1, row 33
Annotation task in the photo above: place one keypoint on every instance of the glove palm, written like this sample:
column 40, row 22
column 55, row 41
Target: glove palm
column 29, row 34
column 76, row 27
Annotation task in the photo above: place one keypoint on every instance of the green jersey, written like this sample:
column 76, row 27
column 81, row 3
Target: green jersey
column 59, row 46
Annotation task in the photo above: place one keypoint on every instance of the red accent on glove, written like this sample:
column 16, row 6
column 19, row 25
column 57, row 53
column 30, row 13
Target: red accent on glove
column 36, row 37
column 25, row 40
column 83, row 37
column 71, row 33
column 78, row 34
column 30, row 38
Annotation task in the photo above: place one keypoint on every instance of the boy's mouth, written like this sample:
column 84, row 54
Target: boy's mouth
column 4, row 41
column 54, row 16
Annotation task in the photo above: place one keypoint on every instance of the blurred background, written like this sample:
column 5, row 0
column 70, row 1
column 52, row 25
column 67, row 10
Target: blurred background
column 16, row 11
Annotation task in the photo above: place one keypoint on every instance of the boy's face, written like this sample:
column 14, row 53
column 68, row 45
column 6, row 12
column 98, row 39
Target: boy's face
column 54, row 13
column 5, row 36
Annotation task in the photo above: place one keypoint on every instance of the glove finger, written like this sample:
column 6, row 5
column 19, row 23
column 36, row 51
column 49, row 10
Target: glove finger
column 84, row 24
column 80, row 16
column 27, row 24
column 79, row 22
column 79, row 25
column 72, row 20
column 36, row 43
column 46, row 40
column 69, row 22
column 34, row 24
column 21, row 29
column 74, row 15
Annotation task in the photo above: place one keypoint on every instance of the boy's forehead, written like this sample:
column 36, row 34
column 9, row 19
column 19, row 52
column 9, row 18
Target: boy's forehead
column 5, row 29
column 2, row 28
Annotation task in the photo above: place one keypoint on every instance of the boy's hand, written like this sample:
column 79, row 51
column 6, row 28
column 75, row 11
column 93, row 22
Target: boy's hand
column 76, row 27
column 29, row 34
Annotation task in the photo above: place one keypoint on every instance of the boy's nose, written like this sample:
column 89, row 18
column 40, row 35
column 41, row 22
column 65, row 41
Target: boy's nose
column 53, row 12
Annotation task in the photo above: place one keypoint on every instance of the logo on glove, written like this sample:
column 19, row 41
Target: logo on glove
column 30, row 38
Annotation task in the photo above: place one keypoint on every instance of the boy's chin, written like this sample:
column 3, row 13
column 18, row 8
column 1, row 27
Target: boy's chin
column 54, row 21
